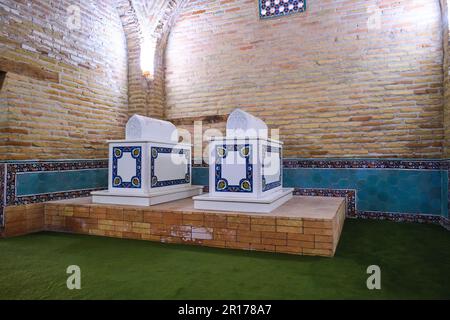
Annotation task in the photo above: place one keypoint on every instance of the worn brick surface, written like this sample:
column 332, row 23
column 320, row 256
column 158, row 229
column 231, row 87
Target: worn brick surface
column 70, row 119
column 232, row 230
column 345, row 78
column 334, row 84
column 20, row 220
column 446, row 49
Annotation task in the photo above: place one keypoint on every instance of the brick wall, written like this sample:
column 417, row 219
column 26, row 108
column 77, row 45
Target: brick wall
column 446, row 47
column 73, row 116
column 335, row 85
column 21, row 220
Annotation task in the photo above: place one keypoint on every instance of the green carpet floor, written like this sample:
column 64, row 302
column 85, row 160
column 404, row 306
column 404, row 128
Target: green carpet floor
column 414, row 261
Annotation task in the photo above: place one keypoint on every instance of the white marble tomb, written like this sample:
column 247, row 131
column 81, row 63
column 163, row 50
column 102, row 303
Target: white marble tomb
column 149, row 167
column 245, row 169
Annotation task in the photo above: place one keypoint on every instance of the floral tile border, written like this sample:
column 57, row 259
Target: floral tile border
column 359, row 164
column 363, row 164
column 400, row 217
column 9, row 170
column 349, row 194
column 12, row 169
column 2, row 192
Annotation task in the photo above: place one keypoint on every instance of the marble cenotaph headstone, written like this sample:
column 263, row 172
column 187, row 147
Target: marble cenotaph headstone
column 149, row 167
column 245, row 168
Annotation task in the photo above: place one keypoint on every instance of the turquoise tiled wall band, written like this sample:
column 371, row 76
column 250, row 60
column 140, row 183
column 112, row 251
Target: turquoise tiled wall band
column 38, row 181
column 395, row 189
column 418, row 189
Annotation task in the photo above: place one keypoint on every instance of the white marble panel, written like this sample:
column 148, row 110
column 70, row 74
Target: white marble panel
column 170, row 166
column 126, row 167
column 272, row 167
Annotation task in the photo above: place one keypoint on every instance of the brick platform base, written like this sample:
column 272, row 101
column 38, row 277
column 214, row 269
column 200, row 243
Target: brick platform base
column 304, row 225
column 25, row 219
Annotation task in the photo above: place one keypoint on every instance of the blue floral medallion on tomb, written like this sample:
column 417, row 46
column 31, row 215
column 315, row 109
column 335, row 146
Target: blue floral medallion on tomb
column 126, row 157
column 238, row 168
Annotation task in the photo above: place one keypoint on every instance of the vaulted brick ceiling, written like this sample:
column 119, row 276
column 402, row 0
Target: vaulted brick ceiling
column 147, row 26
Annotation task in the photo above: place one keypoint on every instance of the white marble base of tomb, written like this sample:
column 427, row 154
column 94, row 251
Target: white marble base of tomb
column 106, row 197
column 238, row 204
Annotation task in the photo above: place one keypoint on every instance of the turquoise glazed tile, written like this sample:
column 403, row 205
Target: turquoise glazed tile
column 200, row 176
column 384, row 190
column 390, row 190
column 32, row 183
column 445, row 194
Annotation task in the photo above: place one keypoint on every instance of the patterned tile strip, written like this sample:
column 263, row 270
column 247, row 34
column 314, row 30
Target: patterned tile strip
column 14, row 168
column 2, row 192
column 279, row 8
column 359, row 164
column 364, row 164
column 400, row 217
column 8, row 194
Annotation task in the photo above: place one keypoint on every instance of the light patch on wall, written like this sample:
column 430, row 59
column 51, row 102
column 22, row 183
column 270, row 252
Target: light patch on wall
column 375, row 15
column 73, row 20
column 448, row 12
column 425, row 17
column 148, row 48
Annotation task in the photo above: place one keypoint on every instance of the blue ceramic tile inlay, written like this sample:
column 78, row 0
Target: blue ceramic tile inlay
column 32, row 183
column 2, row 192
column 246, row 183
column 445, row 194
column 416, row 187
column 136, row 155
column 274, row 8
column 402, row 191
column 200, row 176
